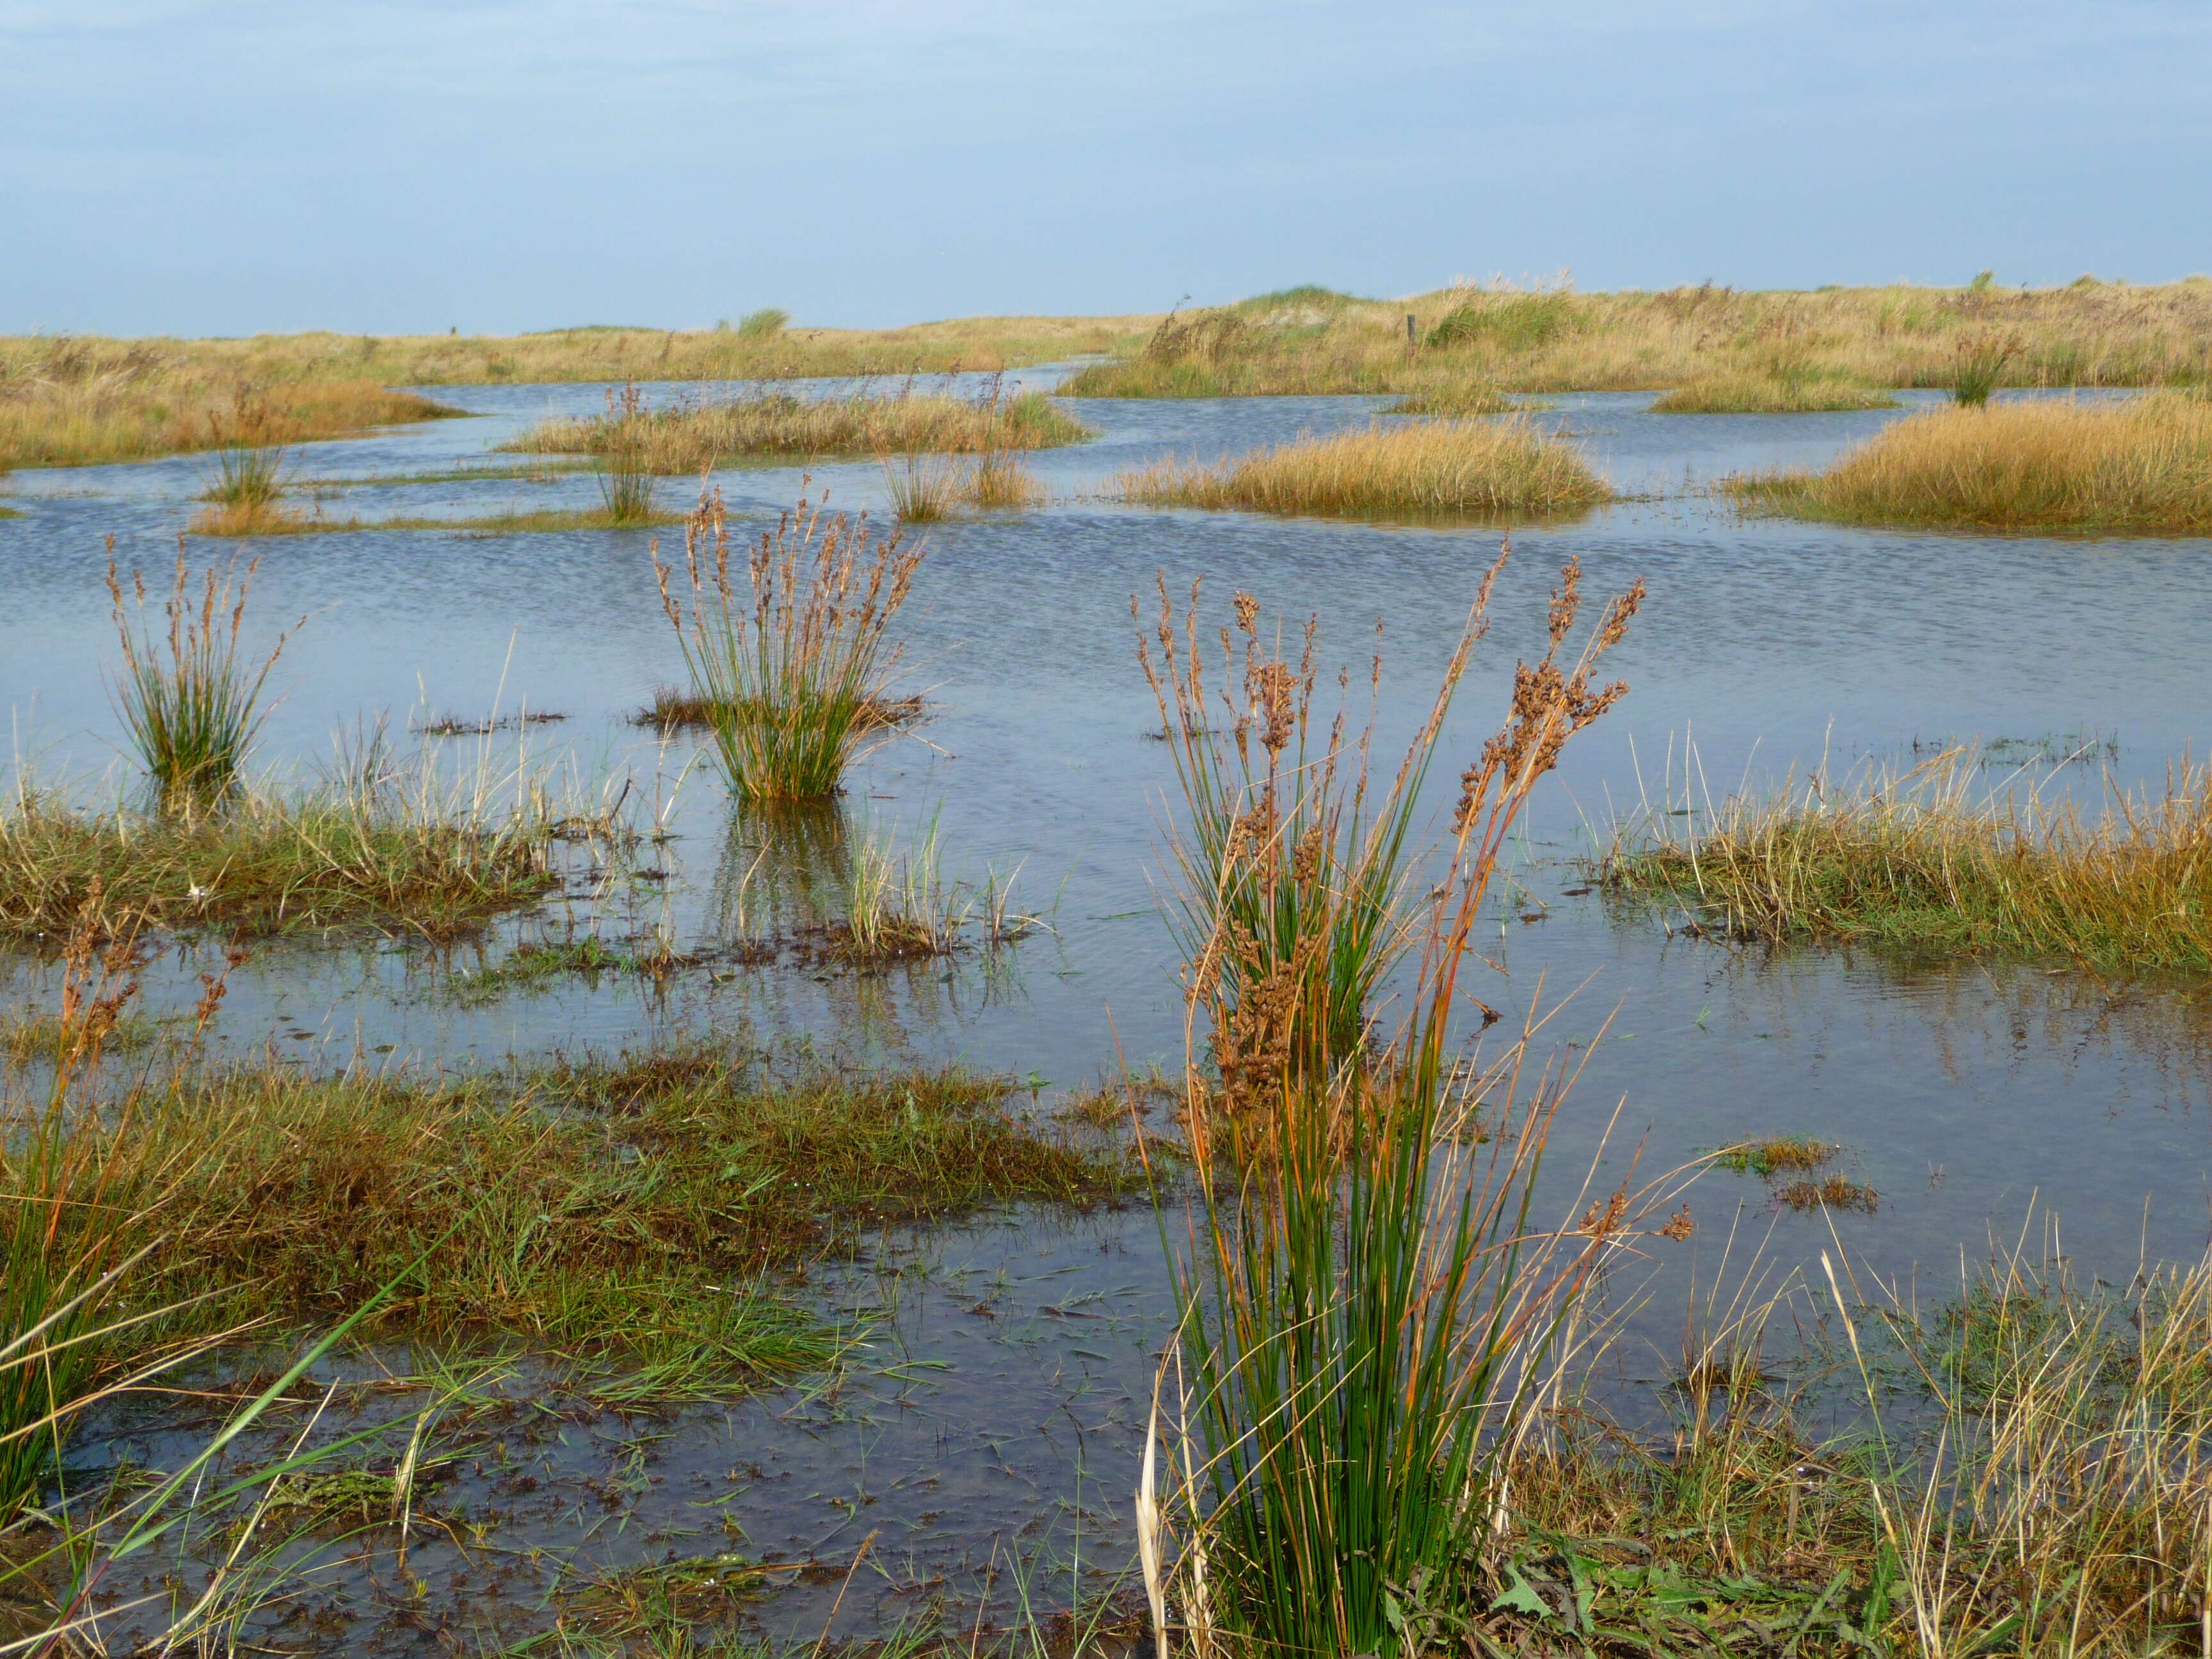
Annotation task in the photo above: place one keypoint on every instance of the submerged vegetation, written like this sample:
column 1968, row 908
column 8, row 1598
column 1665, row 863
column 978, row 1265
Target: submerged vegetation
column 1491, row 469
column 788, row 642
column 1923, row 864
column 696, row 435
column 81, row 402
column 1554, row 339
column 2141, row 467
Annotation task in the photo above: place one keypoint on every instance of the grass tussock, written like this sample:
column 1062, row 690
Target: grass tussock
column 2142, row 467
column 2086, row 334
column 695, row 435
column 638, row 1209
column 84, row 402
column 1762, row 394
column 1489, row 469
column 1925, row 866
column 788, row 643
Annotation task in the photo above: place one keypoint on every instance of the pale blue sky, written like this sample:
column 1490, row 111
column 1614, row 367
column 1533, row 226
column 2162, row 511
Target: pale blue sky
column 194, row 166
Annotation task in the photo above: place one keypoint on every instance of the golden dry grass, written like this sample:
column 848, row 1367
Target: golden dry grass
column 690, row 436
column 2086, row 334
column 84, row 402
column 2144, row 466
column 1489, row 468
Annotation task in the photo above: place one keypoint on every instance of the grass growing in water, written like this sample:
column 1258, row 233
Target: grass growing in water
column 1922, row 865
column 190, row 704
column 698, row 435
column 1491, row 469
column 412, row 856
column 1762, row 394
column 1363, row 1297
column 2140, row 467
column 789, row 652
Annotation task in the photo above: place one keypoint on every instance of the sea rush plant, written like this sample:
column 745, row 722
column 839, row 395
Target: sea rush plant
column 1366, row 1309
column 191, row 704
column 788, row 645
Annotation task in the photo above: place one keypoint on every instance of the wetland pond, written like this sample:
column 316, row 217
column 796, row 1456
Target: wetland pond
column 983, row 1429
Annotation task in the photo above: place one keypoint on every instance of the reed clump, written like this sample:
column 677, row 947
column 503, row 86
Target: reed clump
column 788, row 645
column 1495, row 469
column 1926, row 864
column 1366, row 1308
column 85, row 401
column 1764, row 394
column 697, row 435
column 189, row 700
column 2141, row 467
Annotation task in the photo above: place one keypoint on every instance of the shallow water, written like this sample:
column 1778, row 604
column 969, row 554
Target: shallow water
column 1970, row 1098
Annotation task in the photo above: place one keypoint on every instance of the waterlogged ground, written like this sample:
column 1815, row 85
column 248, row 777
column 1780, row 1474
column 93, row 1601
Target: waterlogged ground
column 1011, row 1360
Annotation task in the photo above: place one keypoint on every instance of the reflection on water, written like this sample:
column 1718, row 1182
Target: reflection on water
column 1963, row 1096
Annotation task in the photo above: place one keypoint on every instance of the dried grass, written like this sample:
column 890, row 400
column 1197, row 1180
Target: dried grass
column 1493, row 469
column 2142, row 467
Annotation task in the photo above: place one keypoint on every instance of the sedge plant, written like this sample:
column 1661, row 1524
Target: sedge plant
column 1367, row 1310
column 188, row 699
column 788, row 645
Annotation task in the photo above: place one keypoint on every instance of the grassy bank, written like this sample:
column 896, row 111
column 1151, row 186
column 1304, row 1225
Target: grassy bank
column 2142, row 466
column 81, row 402
column 690, row 436
column 642, row 1209
column 267, row 864
column 1309, row 341
column 1492, row 469
column 618, row 354
column 1936, row 863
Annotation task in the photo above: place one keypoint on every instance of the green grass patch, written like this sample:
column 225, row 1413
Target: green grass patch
column 1765, row 394
column 284, row 521
column 644, row 1210
column 265, row 864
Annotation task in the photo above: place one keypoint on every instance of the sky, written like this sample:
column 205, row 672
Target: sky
column 197, row 167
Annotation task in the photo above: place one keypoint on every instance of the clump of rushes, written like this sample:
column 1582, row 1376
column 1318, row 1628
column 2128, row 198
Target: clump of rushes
column 641, row 1210
column 1982, row 360
column 191, row 704
column 1922, row 865
column 789, row 651
column 1487, row 469
column 1367, row 1312
column 2141, row 467
column 697, row 435
column 248, row 479
column 1292, row 861
column 1765, row 394
column 625, row 482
